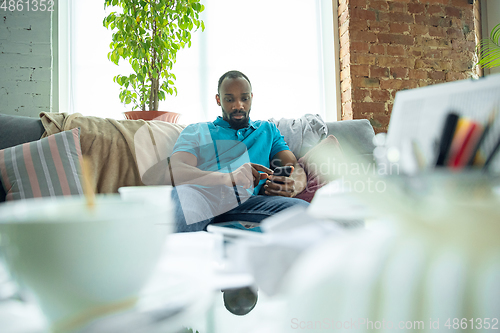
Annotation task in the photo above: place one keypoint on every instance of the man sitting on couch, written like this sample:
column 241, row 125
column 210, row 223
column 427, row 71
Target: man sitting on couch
column 219, row 167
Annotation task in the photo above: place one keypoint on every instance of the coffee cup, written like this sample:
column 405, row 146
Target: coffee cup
column 79, row 262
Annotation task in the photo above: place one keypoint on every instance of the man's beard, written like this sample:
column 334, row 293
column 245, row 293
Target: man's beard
column 238, row 123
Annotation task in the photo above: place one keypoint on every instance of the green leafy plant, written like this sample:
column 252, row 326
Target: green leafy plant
column 488, row 50
column 148, row 33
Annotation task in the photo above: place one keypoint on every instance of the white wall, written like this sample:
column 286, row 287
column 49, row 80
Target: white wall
column 25, row 62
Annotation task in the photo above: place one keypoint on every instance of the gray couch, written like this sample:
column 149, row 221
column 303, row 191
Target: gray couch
column 15, row 130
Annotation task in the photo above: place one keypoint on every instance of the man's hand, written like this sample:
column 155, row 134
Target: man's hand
column 249, row 174
column 280, row 186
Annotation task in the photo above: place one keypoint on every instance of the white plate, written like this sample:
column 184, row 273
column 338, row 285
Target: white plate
column 166, row 305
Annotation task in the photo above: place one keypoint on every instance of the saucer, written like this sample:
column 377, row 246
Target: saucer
column 166, row 305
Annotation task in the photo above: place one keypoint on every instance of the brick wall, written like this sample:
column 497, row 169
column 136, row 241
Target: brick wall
column 25, row 62
column 390, row 45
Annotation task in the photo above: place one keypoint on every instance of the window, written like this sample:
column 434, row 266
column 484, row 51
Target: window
column 285, row 47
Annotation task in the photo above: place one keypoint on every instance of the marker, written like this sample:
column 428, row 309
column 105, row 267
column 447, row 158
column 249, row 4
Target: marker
column 450, row 125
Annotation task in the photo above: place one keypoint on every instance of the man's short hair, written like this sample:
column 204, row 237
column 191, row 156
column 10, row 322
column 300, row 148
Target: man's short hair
column 232, row 75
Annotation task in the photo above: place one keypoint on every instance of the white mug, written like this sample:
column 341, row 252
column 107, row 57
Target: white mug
column 79, row 262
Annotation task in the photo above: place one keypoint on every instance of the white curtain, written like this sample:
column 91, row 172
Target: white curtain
column 285, row 47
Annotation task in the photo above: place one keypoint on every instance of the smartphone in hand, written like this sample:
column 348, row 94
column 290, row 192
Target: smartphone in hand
column 284, row 171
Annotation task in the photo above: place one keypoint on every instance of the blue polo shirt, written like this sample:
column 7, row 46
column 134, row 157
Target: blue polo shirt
column 218, row 147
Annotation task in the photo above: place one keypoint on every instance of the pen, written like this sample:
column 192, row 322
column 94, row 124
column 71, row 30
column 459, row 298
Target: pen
column 450, row 125
column 492, row 155
column 491, row 119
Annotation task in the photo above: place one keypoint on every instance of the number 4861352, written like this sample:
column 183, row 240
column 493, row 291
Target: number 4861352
column 472, row 323
column 27, row 5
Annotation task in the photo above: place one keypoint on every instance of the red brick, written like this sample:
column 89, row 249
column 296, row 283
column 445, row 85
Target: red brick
column 396, row 17
column 345, row 61
column 376, row 71
column 395, row 50
column 417, row 74
column 418, row 30
column 377, row 49
column 379, row 5
column 454, row 33
column 344, row 74
column 358, row 25
column 422, row 19
column 396, row 62
column 346, row 95
column 347, row 110
column 396, row 39
column 429, row 53
column 375, row 107
column 358, row 3
column 365, row 82
column 462, row 45
column 379, row 26
column 457, row 56
column 435, row 9
column 432, row 64
column 416, row 52
column 380, row 95
column 363, row 59
column 360, row 94
column 438, row 21
column 398, row 84
column 360, row 70
column 363, row 14
column 443, row 2
column 467, row 15
column 397, row 7
column 436, row 42
column 423, row 83
column 360, row 47
column 453, row 12
column 416, row 8
column 437, row 75
column 437, row 32
column 454, row 76
column 462, row 65
column 461, row 3
column 344, row 50
column 344, row 39
column 380, row 122
column 346, row 84
column 343, row 28
column 398, row 27
column 399, row 73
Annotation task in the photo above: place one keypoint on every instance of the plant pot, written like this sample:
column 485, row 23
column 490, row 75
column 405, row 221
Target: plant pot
column 170, row 117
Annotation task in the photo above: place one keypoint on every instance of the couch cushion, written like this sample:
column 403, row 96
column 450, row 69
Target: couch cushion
column 318, row 169
column 15, row 130
column 43, row 168
column 119, row 151
column 356, row 135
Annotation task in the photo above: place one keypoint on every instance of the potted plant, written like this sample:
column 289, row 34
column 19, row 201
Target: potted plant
column 488, row 49
column 148, row 33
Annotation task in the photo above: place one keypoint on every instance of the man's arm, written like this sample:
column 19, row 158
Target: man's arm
column 292, row 185
column 185, row 171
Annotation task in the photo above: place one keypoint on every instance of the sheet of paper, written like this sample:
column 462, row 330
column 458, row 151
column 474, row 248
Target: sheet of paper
column 419, row 114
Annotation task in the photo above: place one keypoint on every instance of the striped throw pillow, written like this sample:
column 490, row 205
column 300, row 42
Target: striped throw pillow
column 45, row 168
